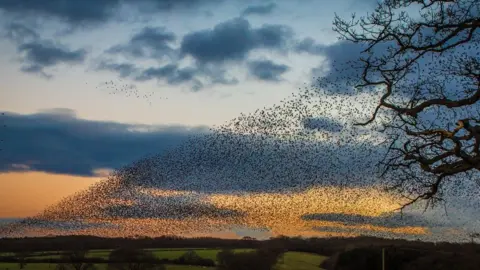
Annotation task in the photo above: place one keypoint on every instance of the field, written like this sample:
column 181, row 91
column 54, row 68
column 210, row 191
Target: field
column 291, row 260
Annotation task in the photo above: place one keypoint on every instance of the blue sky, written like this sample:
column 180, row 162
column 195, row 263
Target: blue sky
column 199, row 64
column 211, row 59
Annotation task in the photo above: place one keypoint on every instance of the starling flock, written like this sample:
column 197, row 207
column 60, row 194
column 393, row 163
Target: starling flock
column 269, row 170
column 127, row 90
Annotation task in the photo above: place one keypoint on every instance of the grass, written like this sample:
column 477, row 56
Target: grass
column 300, row 261
column 290, row 261
column 46, row 266
column 31, row 266
column 161, row 253
column 204, row 253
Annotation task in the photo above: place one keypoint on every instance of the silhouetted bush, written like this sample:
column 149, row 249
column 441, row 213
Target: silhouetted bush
column 330, row 262
column 444, row 262
column 133, row 259
column 75, row 260
column 400, row 259
column 360, row 258
column 22, row 256
column 262, row 259
column 192, row 258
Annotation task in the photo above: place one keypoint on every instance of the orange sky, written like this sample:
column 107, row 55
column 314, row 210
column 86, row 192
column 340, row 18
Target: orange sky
column 27, row 193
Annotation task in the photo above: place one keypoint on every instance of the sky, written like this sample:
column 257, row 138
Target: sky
column 88, row 88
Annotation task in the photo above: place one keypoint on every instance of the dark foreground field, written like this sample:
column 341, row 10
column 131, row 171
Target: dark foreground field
column 291, row 260
column 296, row 253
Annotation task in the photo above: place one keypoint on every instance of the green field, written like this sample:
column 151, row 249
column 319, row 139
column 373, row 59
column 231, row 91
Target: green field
column 290, row 261
column 46, row 266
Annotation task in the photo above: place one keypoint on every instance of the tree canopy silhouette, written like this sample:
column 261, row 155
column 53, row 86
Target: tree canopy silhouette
column 133, row 259
column 425, row 68
column 75, row 260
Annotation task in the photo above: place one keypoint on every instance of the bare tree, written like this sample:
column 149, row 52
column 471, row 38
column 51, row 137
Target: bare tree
column 425, row 68
column 473, row 236
column 75, row 261
column 22, row 256
column 133, row 259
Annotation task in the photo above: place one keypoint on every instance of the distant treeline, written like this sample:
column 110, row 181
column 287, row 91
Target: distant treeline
column 323, row 246
column 343, row 253
column 181, row 261
column 66, row 243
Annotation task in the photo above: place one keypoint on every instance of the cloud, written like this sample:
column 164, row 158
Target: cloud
column 70, row 10
column 48, row 54
column 228, row 41
column 259, row 9
column 170, row 72
column 56, row 141
column 92, row 11
column 150, row 42
column 20, row 33
column 389, row 220
column 233, row 40
column 308, row 45
column 38, row 55
column 197, row 77
column 342, row 66
column 173, row 75
column 267, row 70
column 122, row 69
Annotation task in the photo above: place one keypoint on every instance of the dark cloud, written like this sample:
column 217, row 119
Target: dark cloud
column 38, row 55
column 20, row 33
column 182, row 75
column 319, row 123
column 309, row 45
column 342, row 66
column 69, row 10
column 43, row 54
column 169, row 5
column 36, row 69
column 162, row 72
column 48, row 54
column 217, row 74
column 233, row 40
column 122, row 69
column 266, row 70
column 259, row 9
column 58, row 142
column 272, row 36
column 173, row 75
column 91, row 11
column 394, row 220
column 230, row 40
column 170, row 73
column 150, row 42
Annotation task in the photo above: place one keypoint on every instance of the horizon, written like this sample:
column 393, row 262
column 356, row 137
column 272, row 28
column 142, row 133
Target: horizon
column 195, row 118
